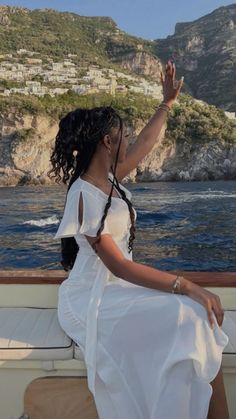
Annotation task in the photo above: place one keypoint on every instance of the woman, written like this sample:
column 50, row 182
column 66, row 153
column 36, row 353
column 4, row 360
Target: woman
column 147, row 336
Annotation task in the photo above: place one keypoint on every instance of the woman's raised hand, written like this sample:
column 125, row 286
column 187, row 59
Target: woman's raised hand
column 170, row 86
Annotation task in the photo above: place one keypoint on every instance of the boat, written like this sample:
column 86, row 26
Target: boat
column 42, row 370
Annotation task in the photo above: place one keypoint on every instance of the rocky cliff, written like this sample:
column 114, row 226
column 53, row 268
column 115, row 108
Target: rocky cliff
column 185, row 162
column 205, row 53
column 26, row 143
column 140, row 62
column 25, row 146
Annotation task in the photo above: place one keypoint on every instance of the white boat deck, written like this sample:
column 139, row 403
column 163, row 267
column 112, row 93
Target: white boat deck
column 33, row 345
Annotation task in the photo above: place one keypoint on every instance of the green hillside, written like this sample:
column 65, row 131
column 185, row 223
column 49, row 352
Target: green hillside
column 55, row 34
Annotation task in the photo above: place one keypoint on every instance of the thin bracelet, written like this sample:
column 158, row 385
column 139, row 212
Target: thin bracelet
column 165, row 104
column 164, row 107
column 177, row 284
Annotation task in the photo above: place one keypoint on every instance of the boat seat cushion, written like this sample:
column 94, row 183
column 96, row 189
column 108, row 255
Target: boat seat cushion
column 78, row 353
column 35, row 333
column 229, row 327
column 32, row 333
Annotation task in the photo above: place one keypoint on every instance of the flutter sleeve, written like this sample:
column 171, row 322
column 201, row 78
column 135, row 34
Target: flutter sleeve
column 93, row 210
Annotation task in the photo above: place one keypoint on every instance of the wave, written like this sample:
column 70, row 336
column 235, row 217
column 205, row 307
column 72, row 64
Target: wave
column 189, row 197
column 43, row 221
column 181, row 197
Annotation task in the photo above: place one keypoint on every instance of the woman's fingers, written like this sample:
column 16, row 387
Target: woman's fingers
column 169, row 69
column 174, row 71
column 219, row 312
column 171, row 87
column 213, row 306
column 162, row 77
column 210, row 313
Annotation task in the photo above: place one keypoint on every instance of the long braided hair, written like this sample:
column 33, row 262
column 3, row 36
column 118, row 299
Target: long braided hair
column 80, row 131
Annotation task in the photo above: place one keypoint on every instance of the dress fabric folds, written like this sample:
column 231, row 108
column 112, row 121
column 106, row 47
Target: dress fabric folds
column 149, row 354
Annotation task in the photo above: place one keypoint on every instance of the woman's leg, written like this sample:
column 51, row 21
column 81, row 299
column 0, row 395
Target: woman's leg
column 218, row 404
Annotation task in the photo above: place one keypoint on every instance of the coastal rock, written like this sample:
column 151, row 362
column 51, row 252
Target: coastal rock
column 27, row 141
column 186, row 162
column 25, row 147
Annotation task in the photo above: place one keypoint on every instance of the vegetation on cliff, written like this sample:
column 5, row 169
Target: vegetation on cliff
column 189, row 120
column 95, row 40
column 199, row 122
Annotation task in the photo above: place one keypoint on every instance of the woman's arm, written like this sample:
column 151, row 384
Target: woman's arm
column 120, row 266
column 143, row 144
column 149, row 277
column 131, row 271
column 152, row 131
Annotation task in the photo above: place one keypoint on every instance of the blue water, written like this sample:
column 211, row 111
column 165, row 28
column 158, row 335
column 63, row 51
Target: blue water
column 187, row 226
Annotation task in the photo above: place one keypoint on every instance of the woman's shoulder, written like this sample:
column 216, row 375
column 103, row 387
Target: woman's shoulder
column 79, row 185
column 90, row 189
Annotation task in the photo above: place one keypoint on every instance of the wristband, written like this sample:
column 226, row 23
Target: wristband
column 164, row 106
column 177, row 284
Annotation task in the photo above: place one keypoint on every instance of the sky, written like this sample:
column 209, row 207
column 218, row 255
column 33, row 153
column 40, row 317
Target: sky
column 148, row 19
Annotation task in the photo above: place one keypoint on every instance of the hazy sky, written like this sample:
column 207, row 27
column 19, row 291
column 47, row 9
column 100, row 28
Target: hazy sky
column 149, row 19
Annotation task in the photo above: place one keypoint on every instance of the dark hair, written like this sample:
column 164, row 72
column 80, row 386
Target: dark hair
column 81, row 130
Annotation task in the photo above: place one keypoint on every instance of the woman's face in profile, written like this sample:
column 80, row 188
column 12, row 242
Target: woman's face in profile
column 115, row 136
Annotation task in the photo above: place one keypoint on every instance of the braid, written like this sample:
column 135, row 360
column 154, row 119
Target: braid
column 132, row 215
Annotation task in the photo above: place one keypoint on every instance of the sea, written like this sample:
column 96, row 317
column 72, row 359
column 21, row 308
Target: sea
column 188, row 226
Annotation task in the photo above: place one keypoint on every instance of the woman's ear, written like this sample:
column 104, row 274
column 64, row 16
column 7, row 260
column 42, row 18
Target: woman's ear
column 107, row 142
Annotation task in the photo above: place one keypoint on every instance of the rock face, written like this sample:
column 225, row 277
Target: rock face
column 140, row 63
column 205, row 53
column 26, row 144
column 4, row 20
column 185, row 162
column 25, row 147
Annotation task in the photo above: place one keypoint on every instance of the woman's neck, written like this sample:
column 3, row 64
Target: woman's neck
column 99, row 169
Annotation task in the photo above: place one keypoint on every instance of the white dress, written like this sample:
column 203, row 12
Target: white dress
column 149, row 354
